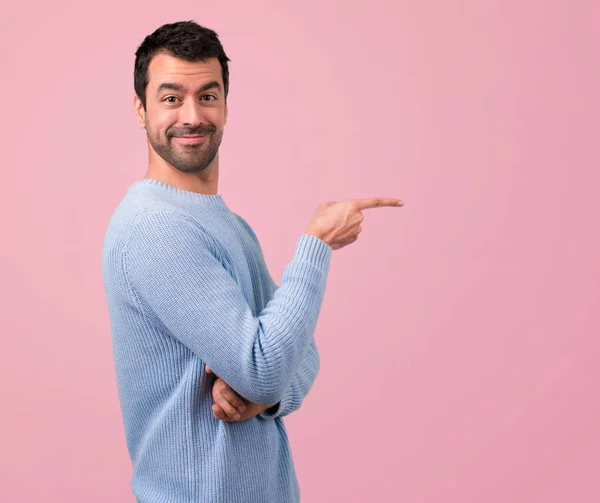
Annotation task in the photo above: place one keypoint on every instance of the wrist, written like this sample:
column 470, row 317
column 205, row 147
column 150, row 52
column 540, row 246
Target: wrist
column 318, row 235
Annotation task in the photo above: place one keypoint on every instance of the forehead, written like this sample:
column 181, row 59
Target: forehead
column 164, row 67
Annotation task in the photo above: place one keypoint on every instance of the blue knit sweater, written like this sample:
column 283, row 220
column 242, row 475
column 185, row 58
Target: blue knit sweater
column 187, row 286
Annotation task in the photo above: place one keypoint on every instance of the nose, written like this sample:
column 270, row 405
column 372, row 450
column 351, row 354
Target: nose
column 190, row 113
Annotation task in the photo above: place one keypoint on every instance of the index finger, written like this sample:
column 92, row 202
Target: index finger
column 376, row 202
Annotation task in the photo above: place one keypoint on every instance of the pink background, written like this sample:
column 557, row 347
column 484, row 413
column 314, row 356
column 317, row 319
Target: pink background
column 459, row 336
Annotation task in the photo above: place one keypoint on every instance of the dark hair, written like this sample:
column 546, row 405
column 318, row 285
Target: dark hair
column 186, row 40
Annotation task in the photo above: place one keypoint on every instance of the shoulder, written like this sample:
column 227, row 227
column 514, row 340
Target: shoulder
column 248, row 227
column 168, row 244
column 162, row 230
column 161, row 220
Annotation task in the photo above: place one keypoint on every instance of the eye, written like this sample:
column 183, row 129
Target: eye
column 170, row 97
column 209, row 96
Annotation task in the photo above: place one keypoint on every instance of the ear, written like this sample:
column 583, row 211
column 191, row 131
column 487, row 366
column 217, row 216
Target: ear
column 140, row 113
column 225, row 111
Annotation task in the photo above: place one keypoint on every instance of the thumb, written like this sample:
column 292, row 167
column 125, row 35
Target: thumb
column 208, row 371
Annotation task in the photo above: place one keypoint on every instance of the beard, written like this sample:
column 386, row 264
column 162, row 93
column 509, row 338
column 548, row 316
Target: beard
column 192, row 158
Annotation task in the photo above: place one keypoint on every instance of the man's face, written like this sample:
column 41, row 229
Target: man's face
column 184, row 99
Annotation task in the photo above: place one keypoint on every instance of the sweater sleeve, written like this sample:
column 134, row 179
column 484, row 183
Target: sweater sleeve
column 307, row 372
column 176, row 273
column 300, row 386
column 302, row 381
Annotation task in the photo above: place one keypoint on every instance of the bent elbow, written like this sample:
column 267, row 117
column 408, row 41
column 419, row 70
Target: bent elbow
column 267, row 395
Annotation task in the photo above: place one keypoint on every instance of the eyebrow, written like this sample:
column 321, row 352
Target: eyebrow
column 176, row 86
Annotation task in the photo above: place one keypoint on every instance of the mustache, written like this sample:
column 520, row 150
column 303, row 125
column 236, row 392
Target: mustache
column 201, row 129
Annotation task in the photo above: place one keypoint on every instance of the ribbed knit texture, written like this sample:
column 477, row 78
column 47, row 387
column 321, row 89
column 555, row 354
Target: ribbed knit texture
column 187, row 286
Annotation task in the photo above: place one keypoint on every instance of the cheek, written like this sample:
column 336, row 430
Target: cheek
column 160, row 130
column 161, row 122
column 217, row 117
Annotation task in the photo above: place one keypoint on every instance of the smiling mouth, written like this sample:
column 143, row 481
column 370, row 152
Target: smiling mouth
column 190, row 140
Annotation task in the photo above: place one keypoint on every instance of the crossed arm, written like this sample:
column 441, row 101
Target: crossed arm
column 229, row 406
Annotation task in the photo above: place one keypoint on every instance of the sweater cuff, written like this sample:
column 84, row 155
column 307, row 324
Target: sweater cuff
column 288, row 402
column 272, row 412
column 312, row 249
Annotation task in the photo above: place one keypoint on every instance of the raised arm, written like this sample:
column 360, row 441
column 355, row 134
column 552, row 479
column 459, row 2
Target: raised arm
column 307, row 372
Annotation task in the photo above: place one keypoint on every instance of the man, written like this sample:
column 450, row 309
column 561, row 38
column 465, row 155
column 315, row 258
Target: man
column 210, row 354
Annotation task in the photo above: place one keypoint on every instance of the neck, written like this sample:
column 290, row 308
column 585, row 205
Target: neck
column 205, row 182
